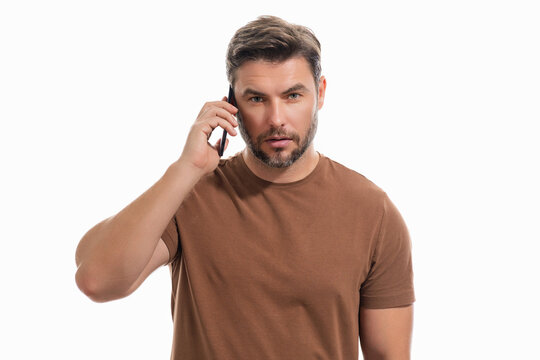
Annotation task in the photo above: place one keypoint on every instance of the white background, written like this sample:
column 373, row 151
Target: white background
column 434, row 101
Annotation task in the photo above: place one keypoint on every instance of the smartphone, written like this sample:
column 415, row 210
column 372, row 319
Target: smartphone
column 230, row 100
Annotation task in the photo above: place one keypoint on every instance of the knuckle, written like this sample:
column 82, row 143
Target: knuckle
column 207, row 106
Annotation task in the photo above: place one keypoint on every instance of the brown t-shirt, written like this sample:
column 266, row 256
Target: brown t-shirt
column 278, row 271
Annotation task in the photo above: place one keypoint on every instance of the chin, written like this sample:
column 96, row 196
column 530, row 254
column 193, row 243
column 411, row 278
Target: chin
column 278, row 158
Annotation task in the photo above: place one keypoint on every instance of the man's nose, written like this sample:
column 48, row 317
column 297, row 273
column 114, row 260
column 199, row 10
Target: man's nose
column 274, row 113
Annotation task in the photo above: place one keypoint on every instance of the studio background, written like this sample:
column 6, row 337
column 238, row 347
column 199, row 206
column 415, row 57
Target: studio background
column 434, row 101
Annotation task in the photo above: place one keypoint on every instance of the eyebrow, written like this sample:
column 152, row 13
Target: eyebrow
column 296, row 87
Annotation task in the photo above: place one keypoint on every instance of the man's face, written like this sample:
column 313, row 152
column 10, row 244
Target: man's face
column 278, row 105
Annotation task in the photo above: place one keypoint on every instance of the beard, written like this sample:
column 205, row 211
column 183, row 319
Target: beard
column 277, row 159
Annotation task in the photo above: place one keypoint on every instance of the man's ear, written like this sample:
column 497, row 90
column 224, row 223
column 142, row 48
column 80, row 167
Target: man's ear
column 322, row 91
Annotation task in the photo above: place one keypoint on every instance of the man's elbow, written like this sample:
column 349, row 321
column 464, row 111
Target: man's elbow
column 95, row 290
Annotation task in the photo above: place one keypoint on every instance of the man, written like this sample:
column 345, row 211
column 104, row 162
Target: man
column 277, row 252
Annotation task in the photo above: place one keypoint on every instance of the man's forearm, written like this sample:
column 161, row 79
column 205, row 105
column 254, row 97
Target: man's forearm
column 112, row 254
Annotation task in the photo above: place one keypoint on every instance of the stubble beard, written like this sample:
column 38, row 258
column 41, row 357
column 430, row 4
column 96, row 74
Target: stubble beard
column 277, row 159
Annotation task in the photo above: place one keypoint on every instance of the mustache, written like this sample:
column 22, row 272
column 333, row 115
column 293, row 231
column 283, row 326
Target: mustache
column 277, row 132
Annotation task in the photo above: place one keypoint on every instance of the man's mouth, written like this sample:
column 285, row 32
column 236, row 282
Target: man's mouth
column 276, row 138
column 277, row 142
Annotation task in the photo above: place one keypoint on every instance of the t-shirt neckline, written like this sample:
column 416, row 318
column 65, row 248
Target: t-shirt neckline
column 265, row 183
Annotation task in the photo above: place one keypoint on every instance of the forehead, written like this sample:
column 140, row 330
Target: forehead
column 265, row 75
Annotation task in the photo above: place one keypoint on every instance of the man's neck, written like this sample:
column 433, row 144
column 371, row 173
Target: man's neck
column 297, row 171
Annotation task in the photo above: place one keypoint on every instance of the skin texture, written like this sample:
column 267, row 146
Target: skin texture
column 279, row 99
column 386, row 334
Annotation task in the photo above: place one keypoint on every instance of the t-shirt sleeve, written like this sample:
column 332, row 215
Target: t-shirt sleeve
column 389, row 282
column 171, row 237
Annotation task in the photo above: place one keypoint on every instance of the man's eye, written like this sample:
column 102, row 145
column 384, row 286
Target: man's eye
column 294, row 96
column 255, row 99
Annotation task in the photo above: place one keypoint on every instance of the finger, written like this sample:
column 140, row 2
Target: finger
column 218, row 145
column 220, row 104
column 217, row 121
column 223, row 114
column 221, row 118
column 209, row 125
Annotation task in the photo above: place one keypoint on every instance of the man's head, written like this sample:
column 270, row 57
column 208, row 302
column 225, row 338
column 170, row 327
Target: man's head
column 274, row 68
column 273, row 39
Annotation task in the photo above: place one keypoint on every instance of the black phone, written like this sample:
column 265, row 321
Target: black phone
column 230, row 100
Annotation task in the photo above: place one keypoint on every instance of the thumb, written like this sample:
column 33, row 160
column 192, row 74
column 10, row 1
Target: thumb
column 218, row 144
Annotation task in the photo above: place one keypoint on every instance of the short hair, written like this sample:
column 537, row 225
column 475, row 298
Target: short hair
column 273, row 39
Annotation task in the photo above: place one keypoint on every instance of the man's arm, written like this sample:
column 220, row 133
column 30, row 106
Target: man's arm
column 119, row 252
column 116, row 255
column 386, row 334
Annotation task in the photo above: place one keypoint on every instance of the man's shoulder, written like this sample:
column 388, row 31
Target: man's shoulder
column 350, row 178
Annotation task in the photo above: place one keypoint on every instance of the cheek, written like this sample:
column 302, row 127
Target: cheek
column 250, row 123
column 255, row 119
column 251, row 114
column 302, row 114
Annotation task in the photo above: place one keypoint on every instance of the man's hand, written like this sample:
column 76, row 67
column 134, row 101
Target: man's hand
column 198, row 152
